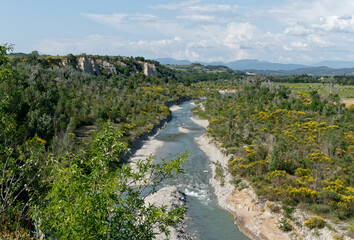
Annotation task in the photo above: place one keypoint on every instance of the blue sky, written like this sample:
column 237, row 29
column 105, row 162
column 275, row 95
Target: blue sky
column 301, row 31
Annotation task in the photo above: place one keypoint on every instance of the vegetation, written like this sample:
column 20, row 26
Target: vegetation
column 342, row 91
column 63, row 134
column 315, row 222
column 58, row 183
column 293, row 147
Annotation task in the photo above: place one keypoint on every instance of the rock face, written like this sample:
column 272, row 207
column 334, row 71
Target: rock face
column 172, row 198
column 88, row 65
column 150, row 69
column 110, row 68
column 93, row 65
column 121, row 64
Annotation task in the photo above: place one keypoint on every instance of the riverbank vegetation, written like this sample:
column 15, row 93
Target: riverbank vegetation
column 293, row 147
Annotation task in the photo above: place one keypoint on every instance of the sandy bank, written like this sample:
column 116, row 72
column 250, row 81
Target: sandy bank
column 175, row 108
column 183, row 130
column 201, row 122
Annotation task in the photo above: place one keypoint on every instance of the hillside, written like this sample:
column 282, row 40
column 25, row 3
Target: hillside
column 97, row 65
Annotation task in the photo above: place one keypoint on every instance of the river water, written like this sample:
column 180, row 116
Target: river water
column 206, row 220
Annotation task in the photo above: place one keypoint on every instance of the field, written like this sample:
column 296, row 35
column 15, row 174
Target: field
column 344, row 91
column 198, row 68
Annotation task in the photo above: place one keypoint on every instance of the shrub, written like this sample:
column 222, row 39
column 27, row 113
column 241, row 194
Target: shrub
column 275, row 208
column 302, row 194
column 284, row 225
column 315, row 222
column 327, row 196
column 288, row 211
column 320, row 208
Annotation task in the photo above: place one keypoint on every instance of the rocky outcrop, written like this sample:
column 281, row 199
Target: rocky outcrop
column 150, row 69
column 110, row 68
column 88, row 65
column 94, row 65
column 121, row 64
column 172, row 198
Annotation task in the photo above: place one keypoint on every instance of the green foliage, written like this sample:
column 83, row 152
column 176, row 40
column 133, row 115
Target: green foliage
column 219, row 173
column 88, row 200
column 61, row 179
column 284, row 225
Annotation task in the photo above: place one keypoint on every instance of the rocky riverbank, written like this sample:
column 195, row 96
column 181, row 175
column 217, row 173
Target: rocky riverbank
column 172, row 198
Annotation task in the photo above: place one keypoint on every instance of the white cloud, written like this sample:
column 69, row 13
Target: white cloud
column 213, row 8
column 106, row 45
column 298, row 45
column 299, row 31
column 198, row 18
column 186, row 54
column 197, row 6
column 113, row 19
column 238, row 34
column 118, row 19
column 335, row 23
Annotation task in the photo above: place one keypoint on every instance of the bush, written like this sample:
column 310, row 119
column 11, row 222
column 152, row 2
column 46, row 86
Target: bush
column 302, row 194
column 284, row 225
column 315, row 222
column 320, row 208
column 327, row 196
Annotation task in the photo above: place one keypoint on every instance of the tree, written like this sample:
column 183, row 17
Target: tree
column 88, row 200
column 19, row 162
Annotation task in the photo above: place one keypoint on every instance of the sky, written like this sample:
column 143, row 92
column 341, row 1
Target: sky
column 284, row 31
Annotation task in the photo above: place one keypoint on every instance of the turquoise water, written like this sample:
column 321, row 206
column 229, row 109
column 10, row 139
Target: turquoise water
column 206, row 220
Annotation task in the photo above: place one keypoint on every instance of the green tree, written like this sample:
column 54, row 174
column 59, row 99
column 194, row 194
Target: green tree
column 89, row 201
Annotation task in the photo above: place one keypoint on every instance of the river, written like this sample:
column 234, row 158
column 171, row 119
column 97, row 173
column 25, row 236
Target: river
column 206, row 220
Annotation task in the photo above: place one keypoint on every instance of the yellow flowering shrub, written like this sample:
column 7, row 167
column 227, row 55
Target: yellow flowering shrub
column 346, row 203
column 315, row 222
column 301, row 194
column 338, row 185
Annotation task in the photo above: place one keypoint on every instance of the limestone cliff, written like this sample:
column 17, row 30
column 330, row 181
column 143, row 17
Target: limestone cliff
column 88, row 65
column 110, row 68
column 95, row 66
column 150, row 69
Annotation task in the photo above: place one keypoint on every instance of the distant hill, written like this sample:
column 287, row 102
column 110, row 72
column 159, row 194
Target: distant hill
column 328, row 68
column 18, row 54
column 237, row 65
column 171, row 61
column 335, row 64
column 315, row 71
column 262, row 65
